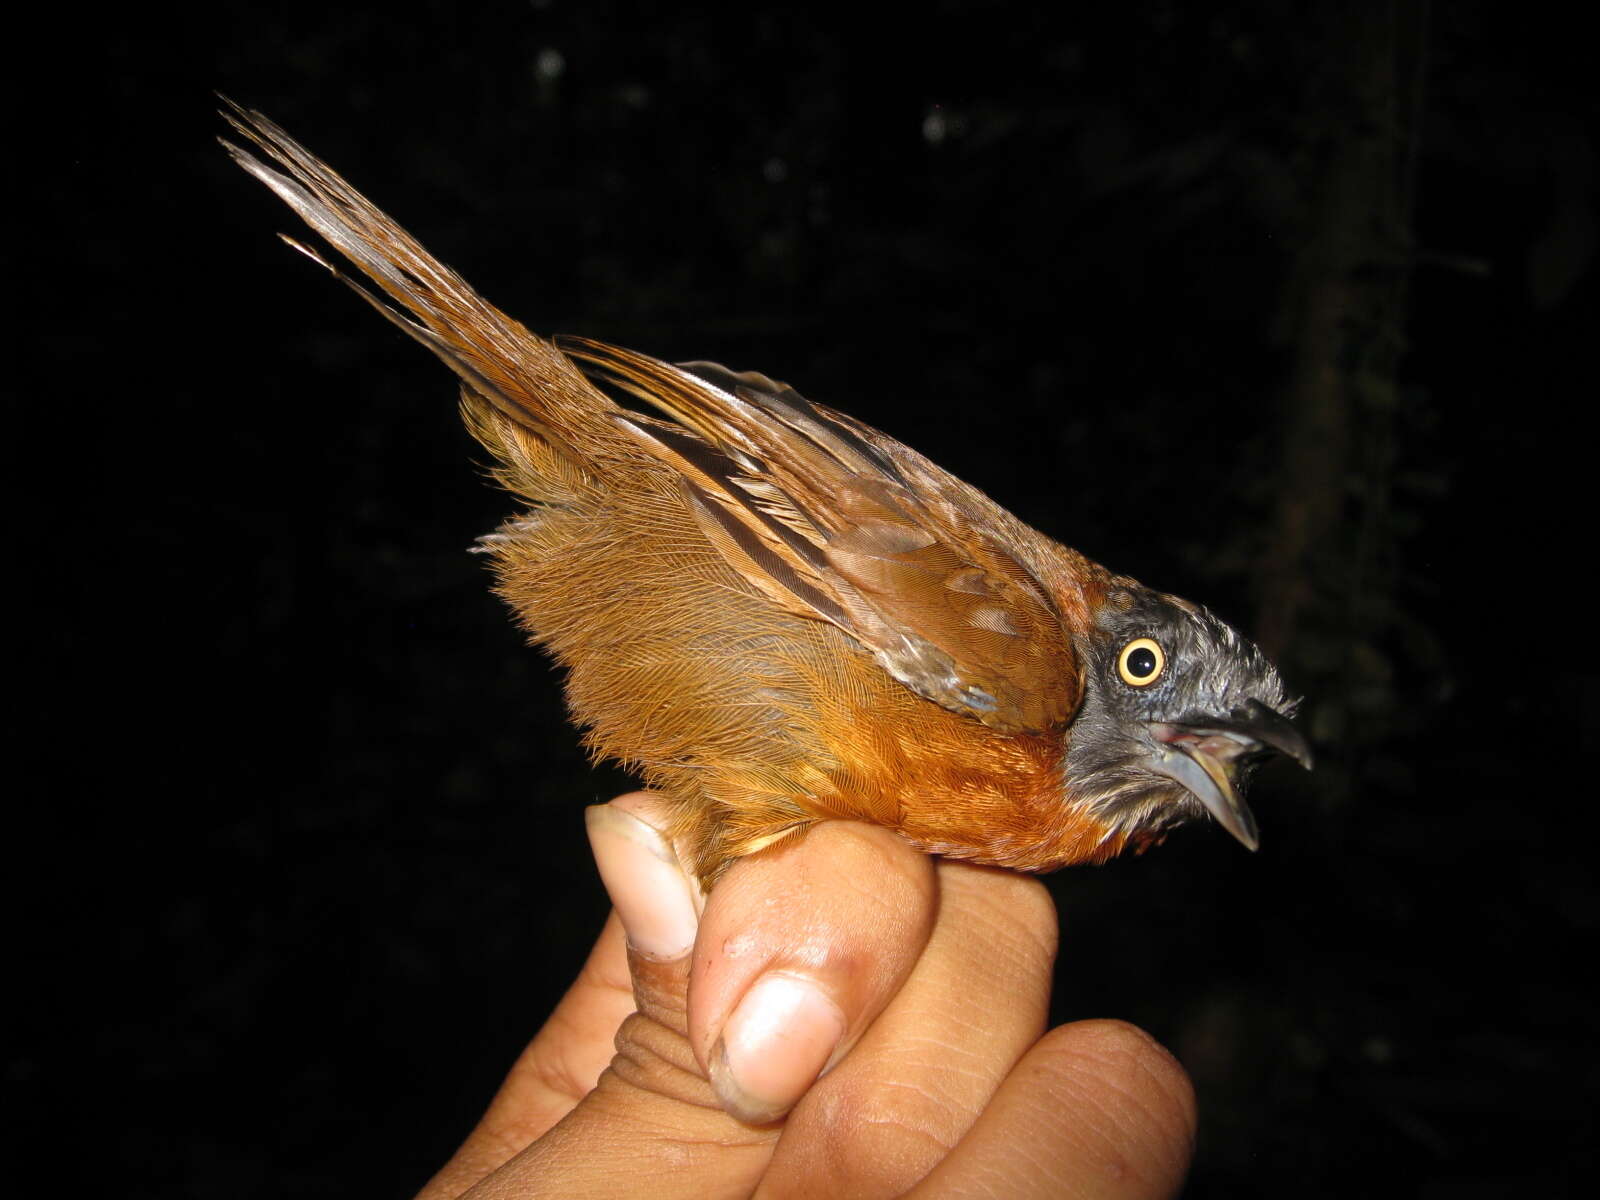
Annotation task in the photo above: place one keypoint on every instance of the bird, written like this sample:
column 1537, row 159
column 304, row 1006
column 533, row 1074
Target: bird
column 776, row 615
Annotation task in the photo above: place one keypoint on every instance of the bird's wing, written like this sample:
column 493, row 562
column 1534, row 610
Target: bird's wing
column 814, row 509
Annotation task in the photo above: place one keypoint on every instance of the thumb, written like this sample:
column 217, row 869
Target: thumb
column 652, row 1125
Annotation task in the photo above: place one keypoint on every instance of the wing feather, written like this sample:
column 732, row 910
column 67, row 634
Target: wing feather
column 817, row 511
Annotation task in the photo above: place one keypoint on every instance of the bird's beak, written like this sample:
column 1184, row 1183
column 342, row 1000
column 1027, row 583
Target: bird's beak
column 1205, row 755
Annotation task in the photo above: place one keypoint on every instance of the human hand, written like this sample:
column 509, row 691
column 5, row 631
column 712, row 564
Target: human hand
column 919, row 986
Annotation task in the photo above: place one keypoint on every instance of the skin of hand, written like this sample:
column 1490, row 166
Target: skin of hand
column 917, row 988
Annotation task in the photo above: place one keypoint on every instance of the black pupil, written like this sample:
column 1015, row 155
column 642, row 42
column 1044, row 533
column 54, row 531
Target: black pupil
column 1142, row 663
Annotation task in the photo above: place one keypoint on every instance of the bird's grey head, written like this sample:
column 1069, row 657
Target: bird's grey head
column 1178, row 709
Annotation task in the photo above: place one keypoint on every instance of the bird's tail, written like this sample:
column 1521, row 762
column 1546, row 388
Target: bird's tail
column 508, row 374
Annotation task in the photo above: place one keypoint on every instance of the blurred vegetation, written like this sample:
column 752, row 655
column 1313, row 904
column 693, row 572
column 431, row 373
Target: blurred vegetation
column 1277, row 307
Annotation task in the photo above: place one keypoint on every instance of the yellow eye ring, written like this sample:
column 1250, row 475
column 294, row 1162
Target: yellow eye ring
column 1141, row 662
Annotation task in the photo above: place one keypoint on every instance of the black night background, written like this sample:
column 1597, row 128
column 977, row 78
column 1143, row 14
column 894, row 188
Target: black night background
column 1285, row 308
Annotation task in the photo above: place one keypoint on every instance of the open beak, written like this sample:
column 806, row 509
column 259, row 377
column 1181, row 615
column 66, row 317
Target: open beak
column 1205, row 755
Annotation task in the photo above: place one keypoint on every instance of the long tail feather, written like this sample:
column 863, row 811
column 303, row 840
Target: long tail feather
column 522, row 376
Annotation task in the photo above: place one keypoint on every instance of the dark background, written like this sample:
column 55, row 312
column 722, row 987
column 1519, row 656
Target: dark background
column 296, row 845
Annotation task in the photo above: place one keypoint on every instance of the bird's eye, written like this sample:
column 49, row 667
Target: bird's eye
column 1141, row 662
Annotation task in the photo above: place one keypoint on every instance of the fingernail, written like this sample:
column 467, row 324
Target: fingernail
column 773, row 1047
column 653, row 896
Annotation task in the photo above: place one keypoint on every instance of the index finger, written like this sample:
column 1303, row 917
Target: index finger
column 1097, row 1110
column 976, row 1001
column 800, row 948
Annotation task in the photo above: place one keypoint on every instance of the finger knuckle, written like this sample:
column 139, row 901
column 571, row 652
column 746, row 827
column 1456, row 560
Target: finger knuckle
column 658, row 1060
column 1017, row 921
column 877, row 1140
column 1139, row 1094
